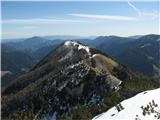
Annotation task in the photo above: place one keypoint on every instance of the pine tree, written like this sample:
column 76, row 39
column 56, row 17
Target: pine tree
column 119, row 107
column 150, row 109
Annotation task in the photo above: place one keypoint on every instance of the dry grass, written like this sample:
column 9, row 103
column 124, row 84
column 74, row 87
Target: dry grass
column 104, row 64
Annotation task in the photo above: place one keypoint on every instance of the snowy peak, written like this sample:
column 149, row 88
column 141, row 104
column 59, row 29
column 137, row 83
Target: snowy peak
column 143, row 106
column 70, row 43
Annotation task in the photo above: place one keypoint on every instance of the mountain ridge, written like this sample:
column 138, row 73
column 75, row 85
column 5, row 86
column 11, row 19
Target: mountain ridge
column 140, row 55
column 70, row 76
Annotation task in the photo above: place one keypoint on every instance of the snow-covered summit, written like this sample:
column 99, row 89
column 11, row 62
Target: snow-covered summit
column 132, row 108
column 70, row 43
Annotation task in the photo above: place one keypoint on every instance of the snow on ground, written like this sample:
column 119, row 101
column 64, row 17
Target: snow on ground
column 83, row 47
column 68, row 43
column 68, row 55
column 145, row 45
column 94, row 55
column 74, row 43
column 50, row 117
column 75, row 65
column 132, row 107
column 149, row 57
column 3, row 73
column 158, row 39
column 95, row 98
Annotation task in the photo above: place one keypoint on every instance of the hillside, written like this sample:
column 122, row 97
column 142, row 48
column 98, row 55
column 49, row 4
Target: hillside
column 19, row 57
column 14, row 63
column 141, row 54
column 132, row 108
column 69, row 83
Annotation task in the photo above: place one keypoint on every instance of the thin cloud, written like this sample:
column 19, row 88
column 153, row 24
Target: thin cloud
column 40, row 21
column 135, row 8
column 151, row 15
column 141, row 14
column 104, row 17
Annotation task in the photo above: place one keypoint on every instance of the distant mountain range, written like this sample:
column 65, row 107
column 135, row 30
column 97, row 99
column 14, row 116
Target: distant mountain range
column 73, row 81
column 140, row 53
column 68, row 37
column 51, row 37
column 19, row 57
column 14, row 62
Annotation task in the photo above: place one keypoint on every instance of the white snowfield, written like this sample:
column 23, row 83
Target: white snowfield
column 132, row 108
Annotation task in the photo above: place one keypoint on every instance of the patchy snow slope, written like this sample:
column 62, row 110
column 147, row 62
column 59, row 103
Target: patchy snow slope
column 132, row 107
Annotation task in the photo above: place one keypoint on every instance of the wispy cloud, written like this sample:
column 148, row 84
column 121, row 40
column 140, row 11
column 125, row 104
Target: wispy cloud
column 104, row 17
column 135, row 8
column 40, row 21
column 152, row 15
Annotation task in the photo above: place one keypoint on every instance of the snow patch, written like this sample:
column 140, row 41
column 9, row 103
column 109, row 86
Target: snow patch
column 94, row 55
column 158, row 39
column 84, row 47
column 149, row 57
column 145, row 45
column 95, row 98
column 50, row 117
column 69, row 43
column 74, row 43
column 132, row 107
column 68, row 55
column 114, row 82
column 75, row 65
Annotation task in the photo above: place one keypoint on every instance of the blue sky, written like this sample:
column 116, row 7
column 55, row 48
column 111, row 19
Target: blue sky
column 26, row 19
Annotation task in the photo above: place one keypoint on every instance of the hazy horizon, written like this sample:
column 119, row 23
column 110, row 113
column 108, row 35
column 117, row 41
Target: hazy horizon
column 78, row 37
column 79, row 18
